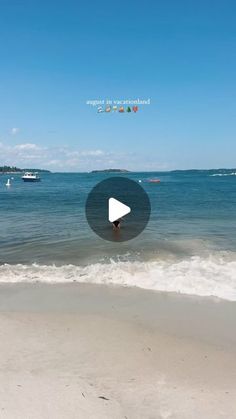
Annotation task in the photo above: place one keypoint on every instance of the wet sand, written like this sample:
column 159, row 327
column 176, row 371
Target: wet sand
column 86, row 351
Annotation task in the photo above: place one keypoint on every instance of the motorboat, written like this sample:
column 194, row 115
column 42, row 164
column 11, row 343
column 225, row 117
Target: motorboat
column 153, row 180
column 31, row 177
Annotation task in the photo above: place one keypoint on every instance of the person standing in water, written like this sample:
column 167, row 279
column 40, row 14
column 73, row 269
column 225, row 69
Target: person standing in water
column 116, row 224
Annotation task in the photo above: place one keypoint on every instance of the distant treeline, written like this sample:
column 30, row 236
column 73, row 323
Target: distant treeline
column 14, row 169
column 5, row 169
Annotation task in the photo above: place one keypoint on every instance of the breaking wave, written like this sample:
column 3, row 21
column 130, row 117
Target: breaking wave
column 224, row 174
column 212, row 276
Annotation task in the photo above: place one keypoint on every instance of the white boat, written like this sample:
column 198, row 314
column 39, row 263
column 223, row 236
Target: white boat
column 31, row 177
column 8, row 182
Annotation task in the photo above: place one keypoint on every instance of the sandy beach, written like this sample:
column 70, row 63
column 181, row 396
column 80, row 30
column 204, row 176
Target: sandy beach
column 86, row 351
column 117, row 210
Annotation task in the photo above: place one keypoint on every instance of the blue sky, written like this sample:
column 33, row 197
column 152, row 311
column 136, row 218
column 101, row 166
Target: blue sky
column 55, row 55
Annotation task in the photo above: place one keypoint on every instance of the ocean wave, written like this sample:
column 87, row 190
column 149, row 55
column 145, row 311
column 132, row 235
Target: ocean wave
column 224, row 174
column 212, row 276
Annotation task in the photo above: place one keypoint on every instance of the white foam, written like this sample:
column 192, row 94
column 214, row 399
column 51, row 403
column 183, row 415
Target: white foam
column 224, row 174
column 212, row 276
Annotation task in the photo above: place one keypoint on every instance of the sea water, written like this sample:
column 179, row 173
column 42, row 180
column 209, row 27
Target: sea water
column 189, row 245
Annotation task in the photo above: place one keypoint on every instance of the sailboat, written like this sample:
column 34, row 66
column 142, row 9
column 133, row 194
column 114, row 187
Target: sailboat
column 8, row 182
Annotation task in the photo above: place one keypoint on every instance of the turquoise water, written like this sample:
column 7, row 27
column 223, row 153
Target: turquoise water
column 44, row 225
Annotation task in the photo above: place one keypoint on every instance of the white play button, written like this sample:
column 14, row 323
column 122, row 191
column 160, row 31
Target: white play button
column 112, row 199
column 117, row 210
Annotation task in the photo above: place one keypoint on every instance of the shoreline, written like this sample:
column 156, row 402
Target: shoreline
column 97, row 352
column 196, row 276
column 151, row 306
column 175, row 294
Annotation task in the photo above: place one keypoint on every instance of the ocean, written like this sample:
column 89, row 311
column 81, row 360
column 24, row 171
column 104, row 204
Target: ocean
column 189, row 245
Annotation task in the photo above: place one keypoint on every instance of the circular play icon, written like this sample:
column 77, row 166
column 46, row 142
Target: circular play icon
column 118, row 209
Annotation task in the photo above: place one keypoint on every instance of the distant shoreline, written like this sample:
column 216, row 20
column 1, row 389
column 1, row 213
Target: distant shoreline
column 8, row 170
column 193, row 171
column 110, row 171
